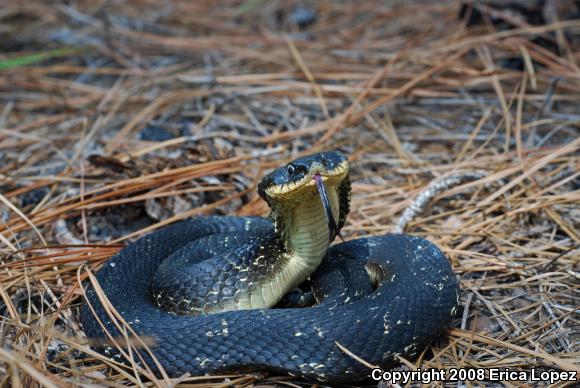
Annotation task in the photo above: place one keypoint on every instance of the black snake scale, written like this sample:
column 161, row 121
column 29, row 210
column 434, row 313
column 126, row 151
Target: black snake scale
column 414, row 301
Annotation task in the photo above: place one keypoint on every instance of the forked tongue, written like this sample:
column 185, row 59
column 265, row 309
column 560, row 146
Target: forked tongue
column 332, row 227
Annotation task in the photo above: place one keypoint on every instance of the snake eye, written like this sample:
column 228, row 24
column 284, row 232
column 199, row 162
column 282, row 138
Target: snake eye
column 291, row 169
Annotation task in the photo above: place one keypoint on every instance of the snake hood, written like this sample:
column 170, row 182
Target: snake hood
column 289, row 188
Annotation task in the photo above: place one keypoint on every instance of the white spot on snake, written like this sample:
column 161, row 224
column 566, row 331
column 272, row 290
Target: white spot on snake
column 112, row 265
column 298, row 334
column 225, row 331
column 438, row 287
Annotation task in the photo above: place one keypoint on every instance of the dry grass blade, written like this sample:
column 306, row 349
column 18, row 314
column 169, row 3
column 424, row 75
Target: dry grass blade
column 125, row 342
column 18, row 362
column 21, row 215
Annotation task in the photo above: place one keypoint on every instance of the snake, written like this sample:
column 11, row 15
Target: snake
column 206, row 291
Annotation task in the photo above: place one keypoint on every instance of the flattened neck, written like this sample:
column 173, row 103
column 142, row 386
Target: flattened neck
column 304, row 229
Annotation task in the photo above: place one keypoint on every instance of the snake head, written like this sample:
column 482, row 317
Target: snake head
column 290, row 181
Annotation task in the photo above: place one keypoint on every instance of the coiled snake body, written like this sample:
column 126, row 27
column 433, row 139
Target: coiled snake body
column 378, row 297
